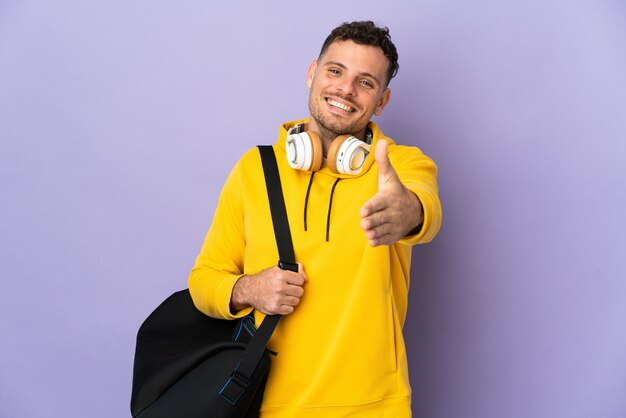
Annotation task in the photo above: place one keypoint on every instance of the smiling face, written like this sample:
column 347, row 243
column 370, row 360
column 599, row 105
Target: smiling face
column 348, row 86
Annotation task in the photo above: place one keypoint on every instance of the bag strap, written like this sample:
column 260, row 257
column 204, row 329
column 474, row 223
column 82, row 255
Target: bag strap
column 278, row 209
column 242, row 375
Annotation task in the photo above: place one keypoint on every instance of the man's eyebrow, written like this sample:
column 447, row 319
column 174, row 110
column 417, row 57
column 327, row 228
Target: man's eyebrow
column 338, row 64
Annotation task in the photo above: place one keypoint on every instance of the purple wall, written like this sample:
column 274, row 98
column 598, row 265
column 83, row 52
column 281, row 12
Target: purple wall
column 119, row 122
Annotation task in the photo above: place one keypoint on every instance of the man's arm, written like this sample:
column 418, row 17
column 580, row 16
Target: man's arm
column 218, row 283
column 394, row 212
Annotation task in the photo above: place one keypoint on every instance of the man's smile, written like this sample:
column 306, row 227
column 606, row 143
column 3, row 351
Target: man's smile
column 339, row 105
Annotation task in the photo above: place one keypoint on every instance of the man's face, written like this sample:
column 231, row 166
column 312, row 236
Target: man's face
column 347, row 87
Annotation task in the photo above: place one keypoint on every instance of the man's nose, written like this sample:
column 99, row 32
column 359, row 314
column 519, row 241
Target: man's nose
column 347, row 86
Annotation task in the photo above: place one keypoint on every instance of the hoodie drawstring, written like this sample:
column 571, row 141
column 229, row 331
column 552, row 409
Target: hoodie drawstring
column 330, row 204
column 306, row 199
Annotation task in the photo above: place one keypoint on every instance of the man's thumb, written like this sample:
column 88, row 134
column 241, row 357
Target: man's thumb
column 385, row 169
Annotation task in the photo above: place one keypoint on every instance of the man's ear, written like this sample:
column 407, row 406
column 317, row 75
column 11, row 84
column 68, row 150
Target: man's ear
column 382, row 102
column 311, row 73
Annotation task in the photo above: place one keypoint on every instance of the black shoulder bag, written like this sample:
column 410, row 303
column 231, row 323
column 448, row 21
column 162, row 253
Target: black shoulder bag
column 189, row 365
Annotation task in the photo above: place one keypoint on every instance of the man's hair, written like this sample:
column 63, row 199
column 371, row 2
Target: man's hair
column 366, row 33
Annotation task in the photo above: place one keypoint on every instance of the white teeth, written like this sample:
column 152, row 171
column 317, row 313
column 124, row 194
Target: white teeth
column 339, row 105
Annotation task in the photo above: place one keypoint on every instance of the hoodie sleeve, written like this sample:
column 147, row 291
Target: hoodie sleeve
column 418, row 173
column 220, row 262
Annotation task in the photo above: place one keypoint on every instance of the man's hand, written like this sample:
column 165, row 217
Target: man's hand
column 272, row 291
column 394, row 211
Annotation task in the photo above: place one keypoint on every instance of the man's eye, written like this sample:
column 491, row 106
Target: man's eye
column 367, row 84
column 334, row 71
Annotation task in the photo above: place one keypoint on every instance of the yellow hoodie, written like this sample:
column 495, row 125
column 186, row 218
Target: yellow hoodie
column 341, row 353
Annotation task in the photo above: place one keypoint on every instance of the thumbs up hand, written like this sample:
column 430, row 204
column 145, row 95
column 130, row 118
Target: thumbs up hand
column 394, row 211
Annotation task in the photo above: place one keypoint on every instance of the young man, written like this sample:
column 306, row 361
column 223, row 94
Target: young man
column 356, row 203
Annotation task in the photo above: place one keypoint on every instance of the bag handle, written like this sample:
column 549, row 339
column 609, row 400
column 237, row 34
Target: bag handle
column 242, row 375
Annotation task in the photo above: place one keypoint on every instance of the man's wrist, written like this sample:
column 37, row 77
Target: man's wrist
column 238, row 300
column 419, row 222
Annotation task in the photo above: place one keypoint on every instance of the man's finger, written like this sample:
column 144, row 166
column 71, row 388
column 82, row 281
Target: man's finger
column 375, row 219
column 380, row 240
column 301, row 270
column 386, row 172
column 373, row 205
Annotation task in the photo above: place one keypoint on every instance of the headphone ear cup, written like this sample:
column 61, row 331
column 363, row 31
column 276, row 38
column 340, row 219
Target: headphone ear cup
column 304, row 151
column 333, row 152
column 347, row 155
column 317, row 151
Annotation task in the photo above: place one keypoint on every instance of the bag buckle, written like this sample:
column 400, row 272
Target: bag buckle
column 234, row 387
column 285, row 265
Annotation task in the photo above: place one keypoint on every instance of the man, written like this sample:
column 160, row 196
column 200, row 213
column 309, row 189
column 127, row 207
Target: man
column 353, row 221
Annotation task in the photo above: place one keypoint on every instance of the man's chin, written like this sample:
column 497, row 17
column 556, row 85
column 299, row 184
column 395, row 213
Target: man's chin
column 337, row 129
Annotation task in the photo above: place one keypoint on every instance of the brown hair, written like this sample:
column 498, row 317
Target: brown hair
column 366, row 33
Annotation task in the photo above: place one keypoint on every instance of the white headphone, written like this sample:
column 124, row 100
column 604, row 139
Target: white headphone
column 346, row 154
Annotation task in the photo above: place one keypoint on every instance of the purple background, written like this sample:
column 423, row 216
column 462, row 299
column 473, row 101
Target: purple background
column 119, row 121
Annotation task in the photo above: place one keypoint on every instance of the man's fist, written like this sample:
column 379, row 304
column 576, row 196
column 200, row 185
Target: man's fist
column 272, row 291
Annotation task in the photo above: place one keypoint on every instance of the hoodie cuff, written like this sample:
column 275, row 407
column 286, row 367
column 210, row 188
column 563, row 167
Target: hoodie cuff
column 431, row 217
column 224, row 293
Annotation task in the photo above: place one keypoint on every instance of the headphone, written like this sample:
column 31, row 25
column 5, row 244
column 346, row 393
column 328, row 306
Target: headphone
column 346, row 154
